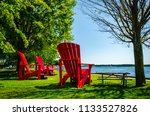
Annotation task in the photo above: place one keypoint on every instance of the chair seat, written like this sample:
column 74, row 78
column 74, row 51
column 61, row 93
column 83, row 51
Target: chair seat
column 84, row 72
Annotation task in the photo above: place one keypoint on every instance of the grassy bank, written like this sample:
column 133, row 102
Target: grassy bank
column 11, row 88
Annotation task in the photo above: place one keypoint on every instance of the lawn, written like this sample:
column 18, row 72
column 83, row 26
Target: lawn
column 11, row 88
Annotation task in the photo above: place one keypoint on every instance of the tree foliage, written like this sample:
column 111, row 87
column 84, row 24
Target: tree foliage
column 117, row 17
column 126, row 20
column 34, row 25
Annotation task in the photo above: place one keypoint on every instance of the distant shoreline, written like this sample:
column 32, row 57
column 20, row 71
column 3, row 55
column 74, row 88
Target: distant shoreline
column 135, row 77
column 130, row 68
column 118, row 65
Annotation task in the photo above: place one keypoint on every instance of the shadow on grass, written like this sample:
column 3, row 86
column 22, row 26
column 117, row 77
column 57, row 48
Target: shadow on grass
column 69, row 91
column 55, row 86
column 1, row 85
column 13, row 75
column 48, row 87
column 144, row 92
column 8, row 75
column 95, row 91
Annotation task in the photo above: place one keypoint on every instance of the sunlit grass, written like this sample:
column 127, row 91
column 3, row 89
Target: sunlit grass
column 11, row 88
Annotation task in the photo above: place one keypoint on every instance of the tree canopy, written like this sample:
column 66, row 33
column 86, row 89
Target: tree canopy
column 34, row 25
column 119, row 17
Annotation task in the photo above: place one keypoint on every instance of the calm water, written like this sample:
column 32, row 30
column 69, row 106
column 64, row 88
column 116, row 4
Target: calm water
column 109, row 68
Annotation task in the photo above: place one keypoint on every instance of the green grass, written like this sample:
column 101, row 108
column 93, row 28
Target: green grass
column 11, row 88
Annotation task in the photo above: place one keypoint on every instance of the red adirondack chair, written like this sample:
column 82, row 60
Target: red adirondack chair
column 23, row 65
column 46, row 68
column 70, row 58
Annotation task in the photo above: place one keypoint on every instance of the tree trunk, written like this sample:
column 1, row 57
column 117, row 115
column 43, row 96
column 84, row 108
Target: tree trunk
column 139, row 65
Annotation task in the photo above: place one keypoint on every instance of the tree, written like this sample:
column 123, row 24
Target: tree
column 34, row 25
column 126, row 20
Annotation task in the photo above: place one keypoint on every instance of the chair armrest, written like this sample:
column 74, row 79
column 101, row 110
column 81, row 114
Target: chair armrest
column 49, row 65
column 36, row 66
column 32, row 65
column 88, row 65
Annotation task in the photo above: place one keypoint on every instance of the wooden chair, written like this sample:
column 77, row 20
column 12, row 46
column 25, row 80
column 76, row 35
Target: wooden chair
column 70, row 58
column 23, row 66
column 46, row 68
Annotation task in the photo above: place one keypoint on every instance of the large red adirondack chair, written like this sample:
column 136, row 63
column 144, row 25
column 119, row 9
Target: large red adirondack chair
column 46, row 68
column 23, row 64
column 70, row 58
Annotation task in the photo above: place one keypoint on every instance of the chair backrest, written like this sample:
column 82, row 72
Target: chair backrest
column 39, row 61
column 23, row 61
column 70, row 56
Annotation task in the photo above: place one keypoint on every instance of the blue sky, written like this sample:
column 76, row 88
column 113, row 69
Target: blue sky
column 98, row 47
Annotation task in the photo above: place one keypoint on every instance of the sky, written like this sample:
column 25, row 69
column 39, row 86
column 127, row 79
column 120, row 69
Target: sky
column 98, row 47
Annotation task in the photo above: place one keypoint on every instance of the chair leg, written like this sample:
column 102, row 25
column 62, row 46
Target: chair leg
column 47, row 72
column 21, row 72
column 63, row 80
column 60, row 74
column 89, row 79
column 39, row 75
column 60, row 81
